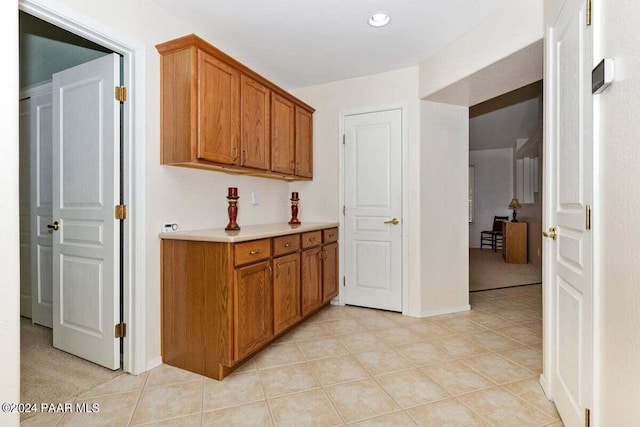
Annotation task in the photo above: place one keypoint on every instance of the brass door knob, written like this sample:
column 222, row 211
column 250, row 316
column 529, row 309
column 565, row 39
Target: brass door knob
column 552, row 234
column 393, row 221
column 55, row 226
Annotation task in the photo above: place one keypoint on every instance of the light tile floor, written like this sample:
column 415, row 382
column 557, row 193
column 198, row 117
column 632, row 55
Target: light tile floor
column 356, row 366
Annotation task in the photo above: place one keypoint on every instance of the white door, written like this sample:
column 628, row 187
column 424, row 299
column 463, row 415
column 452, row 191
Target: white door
column 86, row 176
column 373, row 210
column 570, row 171
column 41, row 206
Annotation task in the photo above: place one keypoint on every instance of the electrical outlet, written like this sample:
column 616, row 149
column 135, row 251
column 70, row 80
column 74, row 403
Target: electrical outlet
column 254, row 199
column 169, row 227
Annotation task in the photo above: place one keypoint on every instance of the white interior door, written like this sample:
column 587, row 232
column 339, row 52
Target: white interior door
column 373, row 210
column 41, row 208
column 86, row 176
column 569, row 257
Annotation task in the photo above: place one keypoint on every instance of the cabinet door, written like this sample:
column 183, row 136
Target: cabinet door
column 329, row 272
column 286, row 292
column 252, row 313
column 218, row 110
column 311, row 280
column 255, row 124
column 282, row 135
column 304, row 142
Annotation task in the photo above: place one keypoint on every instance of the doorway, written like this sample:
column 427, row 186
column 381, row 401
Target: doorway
column 505, row 152
column 133, row 180
column 70, row 171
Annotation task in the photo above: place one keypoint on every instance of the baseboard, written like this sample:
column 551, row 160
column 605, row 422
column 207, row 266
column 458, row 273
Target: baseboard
column 154, row 363
column 439, row 312
column 545, row 386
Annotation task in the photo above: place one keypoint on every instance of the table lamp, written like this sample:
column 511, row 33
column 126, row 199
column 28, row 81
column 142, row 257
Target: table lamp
column 515, row 204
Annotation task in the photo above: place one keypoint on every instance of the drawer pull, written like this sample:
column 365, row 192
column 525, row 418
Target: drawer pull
column 312, row 239
column 286, row 245
column 257, row 251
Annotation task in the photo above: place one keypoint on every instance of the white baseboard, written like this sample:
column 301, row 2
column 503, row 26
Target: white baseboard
column 441, row 311
column 545, row 386
column 154, row 363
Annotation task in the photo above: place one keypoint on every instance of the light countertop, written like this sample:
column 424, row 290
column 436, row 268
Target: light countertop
column 248, row 232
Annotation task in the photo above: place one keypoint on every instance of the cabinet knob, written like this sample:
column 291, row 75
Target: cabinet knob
column 286, row 245
column 257, row 251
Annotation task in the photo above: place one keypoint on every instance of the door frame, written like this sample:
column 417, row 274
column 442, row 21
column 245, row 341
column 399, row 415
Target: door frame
column 134, row 152
column 404, row 161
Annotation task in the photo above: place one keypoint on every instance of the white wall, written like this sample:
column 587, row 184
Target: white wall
column 616, row 210
column 444, row 183
column 493, row 189
column 518, row 24
column 9, row 232
column 320, row 197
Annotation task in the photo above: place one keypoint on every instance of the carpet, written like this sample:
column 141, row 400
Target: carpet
column 51, row 375
column 487, row 270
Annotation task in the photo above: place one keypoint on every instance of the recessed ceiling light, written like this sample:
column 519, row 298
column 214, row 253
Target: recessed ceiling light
column 379, row 20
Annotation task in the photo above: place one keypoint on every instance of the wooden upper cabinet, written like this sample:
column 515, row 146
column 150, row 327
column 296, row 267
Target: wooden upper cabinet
column 282, row 135
column 256, row 98
column 218, row 110
column 304, row 142
column 218, row 114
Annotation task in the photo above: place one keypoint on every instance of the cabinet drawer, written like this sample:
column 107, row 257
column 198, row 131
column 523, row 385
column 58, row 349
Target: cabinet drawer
column 312, row 238
column 286, row 244
column 252, row 251
column 330, row 235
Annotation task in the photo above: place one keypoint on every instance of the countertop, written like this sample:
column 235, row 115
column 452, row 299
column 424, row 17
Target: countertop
column 248, row 232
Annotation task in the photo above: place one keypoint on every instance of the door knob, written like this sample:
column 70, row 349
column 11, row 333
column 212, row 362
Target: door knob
column 393, row 221
column 552, row 234
column 55, row 226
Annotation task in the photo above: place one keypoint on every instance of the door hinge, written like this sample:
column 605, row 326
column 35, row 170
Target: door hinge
column 121, row 93
column 587, row 417
column 120, row 330
column 121, row 212
column 344, row 139
column 588, row 13
column 588, row 217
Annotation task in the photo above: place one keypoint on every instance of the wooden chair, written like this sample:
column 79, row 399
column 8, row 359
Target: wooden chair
column 493, row 237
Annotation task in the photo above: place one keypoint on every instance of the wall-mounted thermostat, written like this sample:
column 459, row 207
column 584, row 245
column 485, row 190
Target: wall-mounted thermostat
column 602, row 76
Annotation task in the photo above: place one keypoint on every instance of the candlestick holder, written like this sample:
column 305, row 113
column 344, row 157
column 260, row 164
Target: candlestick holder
column 233, row 213
column 294, row 209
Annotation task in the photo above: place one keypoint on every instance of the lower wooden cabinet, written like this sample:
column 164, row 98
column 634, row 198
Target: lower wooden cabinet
column 329, row 272
column 252, row 312
column 286, row 292
column 311, row 280
column 223, row 302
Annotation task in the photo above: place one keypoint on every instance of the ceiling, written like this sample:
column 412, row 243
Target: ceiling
column 298, row 43
column 499, row 122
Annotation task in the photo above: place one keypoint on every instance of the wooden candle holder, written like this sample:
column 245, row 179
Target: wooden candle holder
column 233, row 214
column 294, row 209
